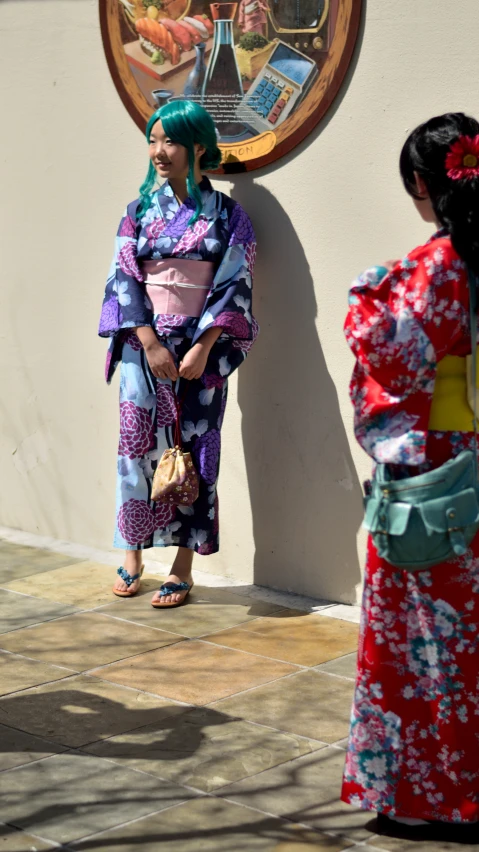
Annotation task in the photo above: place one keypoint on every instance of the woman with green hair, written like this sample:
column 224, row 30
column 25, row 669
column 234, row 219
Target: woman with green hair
column 177, row 308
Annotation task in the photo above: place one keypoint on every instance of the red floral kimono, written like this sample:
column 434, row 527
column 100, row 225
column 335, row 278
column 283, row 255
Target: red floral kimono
column 414, row 741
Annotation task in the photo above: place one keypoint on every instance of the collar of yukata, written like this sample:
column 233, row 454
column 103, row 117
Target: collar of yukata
column 204, row 185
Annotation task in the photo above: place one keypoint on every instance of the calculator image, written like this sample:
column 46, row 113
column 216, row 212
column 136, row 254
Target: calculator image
column 278, row 89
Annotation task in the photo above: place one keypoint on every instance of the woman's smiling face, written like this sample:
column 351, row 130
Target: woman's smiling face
column 170, row 159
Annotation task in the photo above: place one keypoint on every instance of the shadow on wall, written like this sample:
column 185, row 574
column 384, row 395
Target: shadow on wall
column 305, row 494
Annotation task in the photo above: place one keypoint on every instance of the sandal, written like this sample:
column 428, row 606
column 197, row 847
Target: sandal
column 171, row 589
column 129, row 580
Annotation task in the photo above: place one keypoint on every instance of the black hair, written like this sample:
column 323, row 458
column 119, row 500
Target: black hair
column 455, row 202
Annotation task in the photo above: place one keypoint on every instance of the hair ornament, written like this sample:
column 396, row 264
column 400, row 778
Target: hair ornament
column 462, row 160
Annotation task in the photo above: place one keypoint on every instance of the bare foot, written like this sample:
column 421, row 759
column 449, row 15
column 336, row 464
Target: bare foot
column 175, row 597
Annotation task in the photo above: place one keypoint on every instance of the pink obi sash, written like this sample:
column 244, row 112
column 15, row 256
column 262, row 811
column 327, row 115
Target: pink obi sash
column 178, row 286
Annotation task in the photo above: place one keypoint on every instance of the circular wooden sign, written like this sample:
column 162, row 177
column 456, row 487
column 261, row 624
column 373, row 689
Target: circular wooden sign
column 267, row 70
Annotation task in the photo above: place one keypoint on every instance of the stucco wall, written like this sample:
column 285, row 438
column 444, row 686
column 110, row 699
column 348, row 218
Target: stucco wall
column 70, row 159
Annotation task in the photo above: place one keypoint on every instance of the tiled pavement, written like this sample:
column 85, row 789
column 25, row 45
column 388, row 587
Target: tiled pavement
column 218, row 726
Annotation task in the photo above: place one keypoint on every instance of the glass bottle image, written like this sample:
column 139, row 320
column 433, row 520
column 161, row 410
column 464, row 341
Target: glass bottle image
column 222, row 89
column 196, row 77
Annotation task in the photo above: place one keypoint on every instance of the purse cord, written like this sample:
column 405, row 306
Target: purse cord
column 179, row 406
column 473, row 282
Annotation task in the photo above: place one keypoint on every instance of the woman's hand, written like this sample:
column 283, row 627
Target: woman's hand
column 161, row 361
column 193, row 364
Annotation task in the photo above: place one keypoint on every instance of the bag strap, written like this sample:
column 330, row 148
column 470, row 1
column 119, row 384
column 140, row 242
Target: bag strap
column 473, row 283
column 179, row 407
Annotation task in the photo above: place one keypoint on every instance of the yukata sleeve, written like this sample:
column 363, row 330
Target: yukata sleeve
column 399, row 325
column 229, row 303
column 124, row 303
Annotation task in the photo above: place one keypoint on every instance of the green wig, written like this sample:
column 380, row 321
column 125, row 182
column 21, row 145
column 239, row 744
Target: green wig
column 186, row 123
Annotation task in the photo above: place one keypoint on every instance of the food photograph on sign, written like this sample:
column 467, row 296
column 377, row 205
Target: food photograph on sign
column 255, row 65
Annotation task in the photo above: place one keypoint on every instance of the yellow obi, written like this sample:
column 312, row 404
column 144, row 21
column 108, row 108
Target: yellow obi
column 453, row 400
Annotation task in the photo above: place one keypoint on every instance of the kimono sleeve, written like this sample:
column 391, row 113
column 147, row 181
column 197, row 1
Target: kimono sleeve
column 229, row 303
column 124, row 303
column 400, row 324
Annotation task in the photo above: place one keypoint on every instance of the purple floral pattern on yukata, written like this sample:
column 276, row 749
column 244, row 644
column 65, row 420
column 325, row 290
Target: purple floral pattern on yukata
column 164, row 515
column 133, row 340
column 127, row 261
column 250, row 255
column 127, row 227
column 136, row 521
column 211, row 380
column 245, row 345
column 136, row 430
column 107, row 364
column 165, row 405
column 154, row 230
column 207, row 453
column 192, row 237
column 110, row 317
column 234, row 323
column 167, row 321
column 241, row 228
column 178, row 225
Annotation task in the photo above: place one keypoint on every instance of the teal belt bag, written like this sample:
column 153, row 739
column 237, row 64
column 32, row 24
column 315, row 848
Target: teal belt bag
column 423, row 520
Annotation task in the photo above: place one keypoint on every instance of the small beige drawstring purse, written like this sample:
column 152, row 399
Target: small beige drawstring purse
column 175, row 480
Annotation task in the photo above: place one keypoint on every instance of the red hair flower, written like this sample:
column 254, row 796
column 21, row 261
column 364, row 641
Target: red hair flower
column 462, row 161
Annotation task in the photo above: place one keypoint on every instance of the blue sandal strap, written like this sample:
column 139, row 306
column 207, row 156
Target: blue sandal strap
column 126, row 577
column 171, row 588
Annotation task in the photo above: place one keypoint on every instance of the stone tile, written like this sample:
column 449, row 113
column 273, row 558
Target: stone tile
column 12, row 840
column 344, row 612
column 82, row 710
column 17, row 561
column 292, row 636
column 71, row 795
column 343, row 666
column 342, row 743
column 306, row 790
column 208, row 609
column 367, row 848
column 393, row 844
column 85, row 584
column 85, row 640
column 18, row 748
column 212, row 825
column 203, row 748
column 17, row 611
column 310, row 704
column 194, row 672
column 17, row 673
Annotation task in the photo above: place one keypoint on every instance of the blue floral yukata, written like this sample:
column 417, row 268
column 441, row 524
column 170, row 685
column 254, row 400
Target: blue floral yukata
column 223, row 236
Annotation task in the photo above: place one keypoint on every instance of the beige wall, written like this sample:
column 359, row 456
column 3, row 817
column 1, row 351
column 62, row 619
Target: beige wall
column 70, row 159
